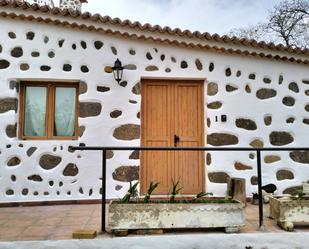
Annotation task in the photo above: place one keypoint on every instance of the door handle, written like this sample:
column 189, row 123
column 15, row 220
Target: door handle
column 176, row 140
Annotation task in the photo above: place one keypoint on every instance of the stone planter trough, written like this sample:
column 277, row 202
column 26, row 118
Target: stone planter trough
column 149, row 216
column 288, row 211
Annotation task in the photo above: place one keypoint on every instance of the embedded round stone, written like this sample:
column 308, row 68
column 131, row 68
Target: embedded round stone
column 242, row 166
column 288, row 101
column 35, row 178
column 248, row 88
column 9, row 192
column 246, row 124
column 230, row 88
column 67, row 68
column 98, row 44
column 89, row 109
column 24, row 67
column 81, row 130
column 132, row 51
column 48, row 161
column 108, row 69
column 212, row 89
column 84, row 69
column 252, row 156
column 305, row 81
column 219, row 139
column 11, row 130
column 268, row 120
column 290, row 120
column 83, row 44
column 211, row 66
column 254, row 180
column 103, row 89
column 83, row 87
column 30, row 35
column 238, row 73
column 266, row 93
column 17, row 52
column 168, row 70
column 266, row 80
column 183, row 64
column 35, row 54
column 306, row 121
column 152, row 68
column 70, row 170
column 123, row 83
column 14, row 161
column 280, row 138
column 208, row 159
column 293, row 190
column 300, row 156
column 109, row 154
column 218, row 177
column 130, row 67
column 252, row 76
column 118, row 187
column 114, row 50
column 45, row 68
column 257, row 143
column 60, row 43
column 134, row 155
column 307, row 108
column 214, row 105
column 127, row 132
column 208, row 122
column 115, row 114
column 271, row 159
column 136, row 89
column 228, row 72
column 284, row 175
column 294, row 87
column 148, row 56
column 198, row 64
column 280, row 81
column 4, row 64
column 173, row 59
column 31, row 150
column 126, row 173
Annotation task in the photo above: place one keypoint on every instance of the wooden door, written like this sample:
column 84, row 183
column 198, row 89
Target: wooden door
column 172, row 108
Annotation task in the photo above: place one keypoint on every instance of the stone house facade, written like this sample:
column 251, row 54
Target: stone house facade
column 171, row 78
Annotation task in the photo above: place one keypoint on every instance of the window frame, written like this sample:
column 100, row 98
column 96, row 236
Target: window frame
column 50, row 109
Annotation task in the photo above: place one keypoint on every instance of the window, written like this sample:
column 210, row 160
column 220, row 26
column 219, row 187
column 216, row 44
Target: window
column 48, row 110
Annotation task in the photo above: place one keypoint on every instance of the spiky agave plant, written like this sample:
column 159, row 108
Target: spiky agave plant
column 132, row 192
column 202, row 194
column 175, row 190
column 152, row 187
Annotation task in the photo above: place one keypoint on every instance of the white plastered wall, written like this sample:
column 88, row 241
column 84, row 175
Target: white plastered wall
column 99, row 129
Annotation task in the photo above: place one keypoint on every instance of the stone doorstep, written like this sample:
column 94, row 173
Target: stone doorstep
column 84, row 234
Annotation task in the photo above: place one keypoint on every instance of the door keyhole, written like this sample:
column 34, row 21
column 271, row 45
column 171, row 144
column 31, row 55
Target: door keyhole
column 176, row 140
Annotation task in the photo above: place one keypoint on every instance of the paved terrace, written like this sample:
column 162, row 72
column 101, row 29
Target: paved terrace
column 58, row 222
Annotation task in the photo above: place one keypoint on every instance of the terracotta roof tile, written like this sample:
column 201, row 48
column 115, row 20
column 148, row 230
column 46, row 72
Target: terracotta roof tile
column 156, row 28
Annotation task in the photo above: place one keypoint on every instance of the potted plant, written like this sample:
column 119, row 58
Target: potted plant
column 288, row 210
column 174, row 213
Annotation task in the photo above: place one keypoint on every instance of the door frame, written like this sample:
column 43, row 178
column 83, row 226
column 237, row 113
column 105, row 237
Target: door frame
column 202, row 81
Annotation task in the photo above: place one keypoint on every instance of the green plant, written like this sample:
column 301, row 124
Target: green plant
column 202, row 194
column 132, row 192
column 175, row 190
column 152, row 187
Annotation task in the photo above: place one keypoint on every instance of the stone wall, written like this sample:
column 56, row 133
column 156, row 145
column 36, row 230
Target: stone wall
column 266, row 104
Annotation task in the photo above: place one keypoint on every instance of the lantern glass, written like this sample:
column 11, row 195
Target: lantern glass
column 117, row 70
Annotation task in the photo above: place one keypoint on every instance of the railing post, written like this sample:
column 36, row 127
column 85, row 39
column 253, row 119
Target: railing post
column 259, row 171
column 103, row 191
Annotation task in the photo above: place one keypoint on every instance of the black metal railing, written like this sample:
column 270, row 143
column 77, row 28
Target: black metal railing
column 258, row 151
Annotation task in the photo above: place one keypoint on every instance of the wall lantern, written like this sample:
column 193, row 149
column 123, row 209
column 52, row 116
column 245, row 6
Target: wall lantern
column 117, row 70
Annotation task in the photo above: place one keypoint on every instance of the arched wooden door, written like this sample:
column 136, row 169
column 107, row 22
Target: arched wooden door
column 172, row 110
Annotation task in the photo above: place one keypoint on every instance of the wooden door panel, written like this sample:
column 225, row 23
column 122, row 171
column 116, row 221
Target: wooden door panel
column 172, row 108
column 188, row 127
column 156, row 133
